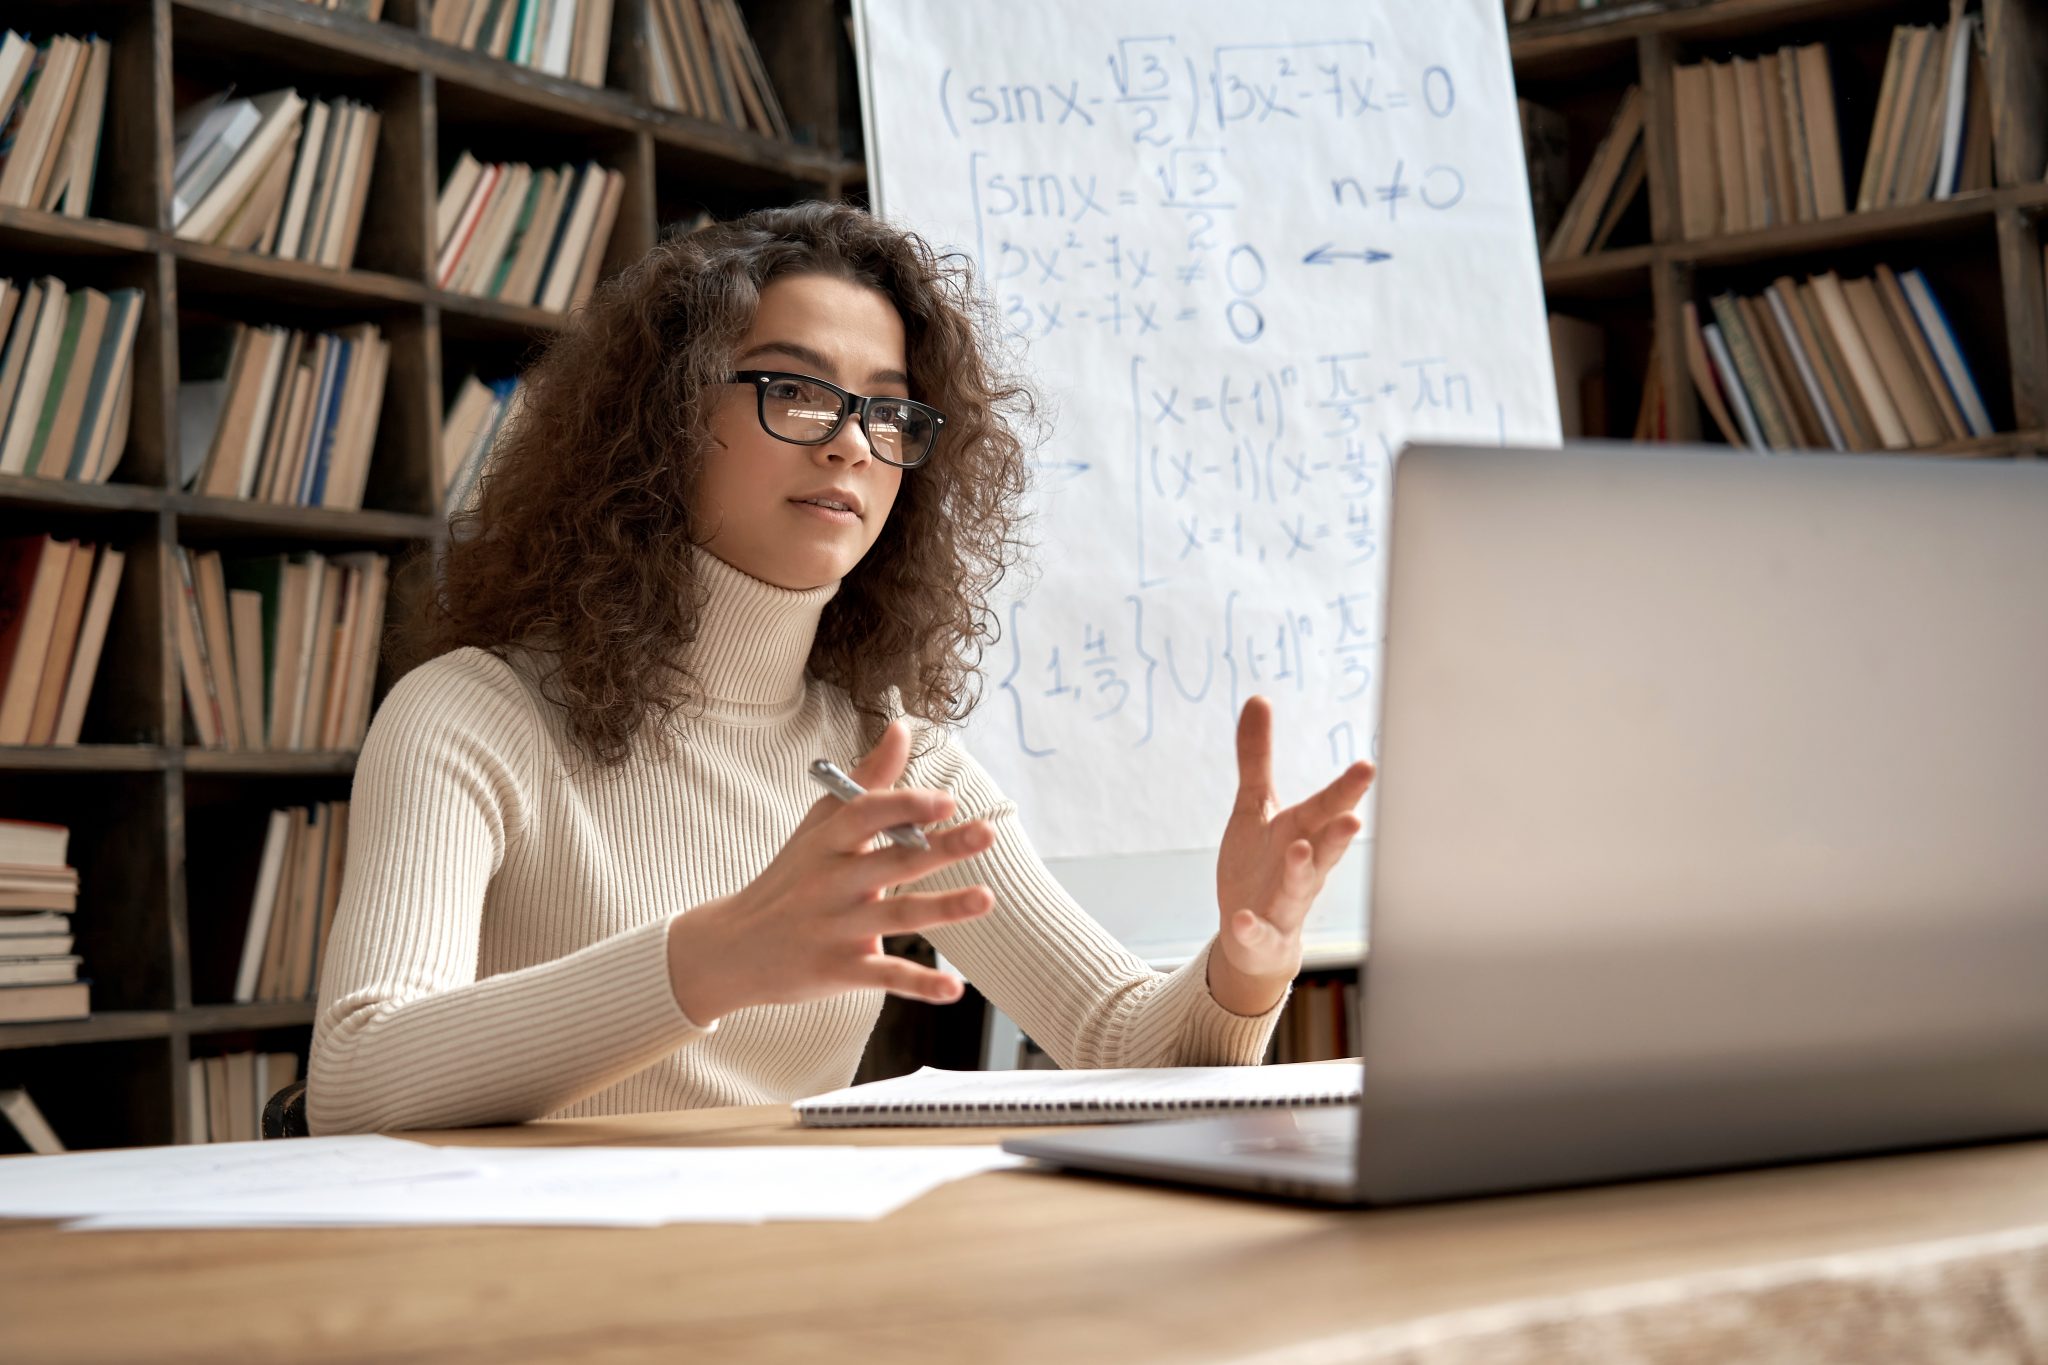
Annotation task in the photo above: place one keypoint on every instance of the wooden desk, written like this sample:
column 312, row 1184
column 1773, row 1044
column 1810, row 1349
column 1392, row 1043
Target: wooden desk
column 1016, row 1265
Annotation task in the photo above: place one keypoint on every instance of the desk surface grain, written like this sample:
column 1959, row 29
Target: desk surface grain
column 1014, row 1265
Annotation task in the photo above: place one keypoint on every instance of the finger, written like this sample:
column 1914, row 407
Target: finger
column 858, row 821
column 1255, row 754
column 914, row 913
column 900, row 977
column 1341, row 795
column 883, row 765
column 892, row 865
column 1332, row 839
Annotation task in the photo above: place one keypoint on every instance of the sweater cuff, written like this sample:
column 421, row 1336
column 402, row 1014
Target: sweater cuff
column 1210, row 1034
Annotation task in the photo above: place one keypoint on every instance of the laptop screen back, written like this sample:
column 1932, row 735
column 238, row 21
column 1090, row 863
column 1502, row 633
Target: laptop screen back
column 1713, row 814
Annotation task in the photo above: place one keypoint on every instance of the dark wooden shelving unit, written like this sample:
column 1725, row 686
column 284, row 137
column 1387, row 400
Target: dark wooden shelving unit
column 152, row 939
column 1987, row 244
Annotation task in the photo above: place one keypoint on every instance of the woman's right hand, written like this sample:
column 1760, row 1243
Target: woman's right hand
column 811, row 924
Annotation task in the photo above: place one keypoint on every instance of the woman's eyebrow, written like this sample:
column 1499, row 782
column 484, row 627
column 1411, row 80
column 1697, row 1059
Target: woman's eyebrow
column 819, row 365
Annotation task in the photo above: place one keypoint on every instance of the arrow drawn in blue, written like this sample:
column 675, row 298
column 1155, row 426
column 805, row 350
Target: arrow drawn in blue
column 1327, row 254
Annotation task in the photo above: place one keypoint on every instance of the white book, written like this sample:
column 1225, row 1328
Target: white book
column 262, row 906
column 28, row 1120
column 1808, row 379
column 455, row 192
column 194, row 129
column 1731, row 384
column 554, row 58
column 278, row 114
column 16, row 54
column 563, row 270
column 930, row 1097
column 1962, row 37
column 224, row 132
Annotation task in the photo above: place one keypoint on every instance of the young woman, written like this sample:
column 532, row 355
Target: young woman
column 748, row 516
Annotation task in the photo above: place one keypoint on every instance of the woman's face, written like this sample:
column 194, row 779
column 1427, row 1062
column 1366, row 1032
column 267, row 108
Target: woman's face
column 756, row 489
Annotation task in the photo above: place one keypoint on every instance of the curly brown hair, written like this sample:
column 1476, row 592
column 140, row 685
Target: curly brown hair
column 581, row 545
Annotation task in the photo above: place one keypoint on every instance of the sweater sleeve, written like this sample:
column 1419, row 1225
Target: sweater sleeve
column 405, row 1035
column 1077, row 992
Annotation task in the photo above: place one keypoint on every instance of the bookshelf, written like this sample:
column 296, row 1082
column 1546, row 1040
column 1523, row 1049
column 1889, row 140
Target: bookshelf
column 1982, row 251
column 167, row 834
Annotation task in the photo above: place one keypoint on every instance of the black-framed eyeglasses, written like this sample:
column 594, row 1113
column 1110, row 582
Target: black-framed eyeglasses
column 807, row 411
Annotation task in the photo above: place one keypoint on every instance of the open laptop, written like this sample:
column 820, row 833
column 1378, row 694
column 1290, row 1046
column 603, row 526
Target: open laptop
column 1712, row 829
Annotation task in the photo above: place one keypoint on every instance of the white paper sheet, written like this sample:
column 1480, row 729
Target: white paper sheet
column 558, row 1186
column 1246, row 251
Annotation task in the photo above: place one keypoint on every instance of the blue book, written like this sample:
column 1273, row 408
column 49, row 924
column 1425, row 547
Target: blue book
column 1948, row 352
column 316, row 470
column 563, row 214
column 323, row 414
column 107, row 369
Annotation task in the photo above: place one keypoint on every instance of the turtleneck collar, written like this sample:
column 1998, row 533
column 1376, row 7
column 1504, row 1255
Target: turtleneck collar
column 753, row 639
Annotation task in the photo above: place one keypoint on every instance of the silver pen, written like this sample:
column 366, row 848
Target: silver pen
column 827, row 775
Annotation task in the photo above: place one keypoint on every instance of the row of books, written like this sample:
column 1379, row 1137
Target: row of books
column 298, row 885
column 1759, row 145
column 560, row 37
column 38, row 895
column 506, row 231
column 280, row 652
column 53, row 100
column 1832, row 363
column 1757, row 142
column 276, row 174
column 1932, row 134
column 283, row 416
column 467, row 433
column 65, row 378
column 56, row 598
column 225, row 1095
column 1316, row 1026
column 703, row 61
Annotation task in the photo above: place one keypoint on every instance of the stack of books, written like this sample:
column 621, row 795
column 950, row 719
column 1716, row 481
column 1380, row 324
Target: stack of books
column 38, row 893
column 560, row 37
column 467, row 434
column 56, row 597
column 703, row 61
column 1757, row 142
column 1859, row 364
column 1612, row 183
column 506, row 231
column 65, row 378
column 276, row 174
column 225, row 1095
column 280, row 652
column 280, row 415
column 53, row 99
column 1932, row 135
column 298, row 885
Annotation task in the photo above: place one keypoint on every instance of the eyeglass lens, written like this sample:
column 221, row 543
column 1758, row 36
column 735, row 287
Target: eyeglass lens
column 798, row 410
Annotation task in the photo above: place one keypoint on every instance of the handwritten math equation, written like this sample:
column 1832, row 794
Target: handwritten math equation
column 1243, row 410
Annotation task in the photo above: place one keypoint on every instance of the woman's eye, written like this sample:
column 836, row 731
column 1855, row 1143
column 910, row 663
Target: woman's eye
column 783, row 390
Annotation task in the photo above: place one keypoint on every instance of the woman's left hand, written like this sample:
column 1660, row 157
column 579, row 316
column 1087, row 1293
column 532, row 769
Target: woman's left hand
column 1272, row 864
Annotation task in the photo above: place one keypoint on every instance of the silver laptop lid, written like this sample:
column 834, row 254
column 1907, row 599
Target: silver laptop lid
column 1713, row 813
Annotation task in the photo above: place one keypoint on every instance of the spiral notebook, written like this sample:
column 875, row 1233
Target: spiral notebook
column 931, row 1097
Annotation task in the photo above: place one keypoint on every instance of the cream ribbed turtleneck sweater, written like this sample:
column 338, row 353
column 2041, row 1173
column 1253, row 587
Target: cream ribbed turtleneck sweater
column 500, row 950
